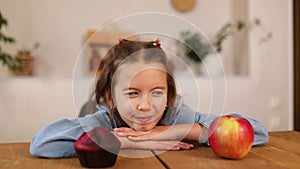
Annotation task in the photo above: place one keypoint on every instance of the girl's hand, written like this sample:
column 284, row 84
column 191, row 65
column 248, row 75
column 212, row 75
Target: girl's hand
column 158, row 133
column 163, row 133
column 154, row 145
column 162, row 145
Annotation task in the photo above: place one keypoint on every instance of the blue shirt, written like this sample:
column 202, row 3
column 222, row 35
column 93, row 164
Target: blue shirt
column 56, row 140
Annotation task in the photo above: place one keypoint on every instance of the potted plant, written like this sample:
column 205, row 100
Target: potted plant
column 232, row 28
column 196, row 48
column 227, row 30
column 199, row 51
column 5, row 57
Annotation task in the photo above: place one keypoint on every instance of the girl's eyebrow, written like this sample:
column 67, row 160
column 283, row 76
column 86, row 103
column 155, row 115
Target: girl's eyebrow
column 130, row 88
column 159, row 87
column 133, row 88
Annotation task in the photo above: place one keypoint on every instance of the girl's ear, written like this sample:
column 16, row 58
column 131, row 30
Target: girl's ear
column 109, row 99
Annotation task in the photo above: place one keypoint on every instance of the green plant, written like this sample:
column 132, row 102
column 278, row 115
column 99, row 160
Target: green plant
column 5, row 57
column 196, row 48
column 229, row 29
column 232, row 28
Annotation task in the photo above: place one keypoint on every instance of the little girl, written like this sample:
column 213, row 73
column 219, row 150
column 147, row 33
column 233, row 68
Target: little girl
column 136, row 98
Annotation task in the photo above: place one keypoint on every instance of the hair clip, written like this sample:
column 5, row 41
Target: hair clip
column 121, row 40
column 156, row 43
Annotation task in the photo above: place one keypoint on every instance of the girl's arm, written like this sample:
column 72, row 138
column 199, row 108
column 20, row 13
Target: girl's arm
column 165, row 133
column 183, row 123
column 56, row 140
column 196, row 132
column 153, row 144
column 184, row 115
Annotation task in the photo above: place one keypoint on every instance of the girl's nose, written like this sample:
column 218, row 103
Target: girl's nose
column 144, row 104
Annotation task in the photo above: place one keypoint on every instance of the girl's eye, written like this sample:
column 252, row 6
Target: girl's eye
column 132, row 94
column 157, row 93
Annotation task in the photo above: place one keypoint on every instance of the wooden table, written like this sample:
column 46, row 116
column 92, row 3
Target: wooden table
column 282, row 151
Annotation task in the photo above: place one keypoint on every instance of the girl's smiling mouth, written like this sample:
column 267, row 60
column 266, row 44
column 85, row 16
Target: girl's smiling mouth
column 144, row 119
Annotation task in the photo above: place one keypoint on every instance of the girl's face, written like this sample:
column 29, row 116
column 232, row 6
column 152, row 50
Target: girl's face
column 140, row 94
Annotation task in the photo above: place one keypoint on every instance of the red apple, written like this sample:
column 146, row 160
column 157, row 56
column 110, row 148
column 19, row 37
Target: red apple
column 230, row 137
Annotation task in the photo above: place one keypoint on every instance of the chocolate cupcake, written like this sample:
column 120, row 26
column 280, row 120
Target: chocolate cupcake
column 97, row 148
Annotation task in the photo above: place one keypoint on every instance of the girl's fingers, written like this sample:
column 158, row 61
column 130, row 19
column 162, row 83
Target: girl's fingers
column 167, row 145
column 175, row 148
column 127, row 132
column 138, row 138
column 185, row 146
column 158, row 133
column 182, row 145
column 122, row 129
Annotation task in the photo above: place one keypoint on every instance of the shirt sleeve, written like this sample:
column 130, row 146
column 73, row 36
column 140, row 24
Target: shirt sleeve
column 57, row 140
column 182, row 114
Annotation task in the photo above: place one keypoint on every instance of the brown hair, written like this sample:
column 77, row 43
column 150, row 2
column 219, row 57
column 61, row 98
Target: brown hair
column 117, row 56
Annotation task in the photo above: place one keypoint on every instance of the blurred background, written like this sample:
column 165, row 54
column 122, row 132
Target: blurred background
column 256, row 38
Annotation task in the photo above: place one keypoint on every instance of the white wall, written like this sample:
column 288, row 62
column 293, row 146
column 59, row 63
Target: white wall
column 60, row 26
column 28, row 104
